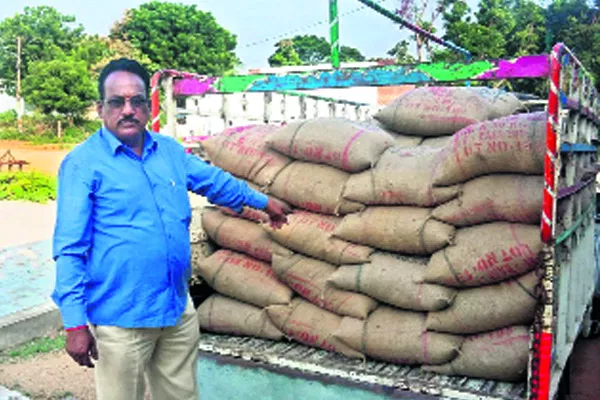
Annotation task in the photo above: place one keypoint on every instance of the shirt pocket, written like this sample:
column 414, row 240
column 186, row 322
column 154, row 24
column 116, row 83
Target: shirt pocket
column 176, row 200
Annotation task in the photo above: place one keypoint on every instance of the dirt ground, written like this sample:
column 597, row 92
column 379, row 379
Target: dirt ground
column 49, row 376
column 43, row 158
column 37, row 218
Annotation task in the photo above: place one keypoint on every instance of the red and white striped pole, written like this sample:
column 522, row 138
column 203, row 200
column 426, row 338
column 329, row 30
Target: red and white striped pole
column 542, row 351
column 155, row 101
column 550, row 158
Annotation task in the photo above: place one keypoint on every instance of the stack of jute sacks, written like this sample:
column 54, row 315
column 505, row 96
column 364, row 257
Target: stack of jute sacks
column 399, row 250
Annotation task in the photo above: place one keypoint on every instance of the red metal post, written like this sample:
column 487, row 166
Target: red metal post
column 155, row 101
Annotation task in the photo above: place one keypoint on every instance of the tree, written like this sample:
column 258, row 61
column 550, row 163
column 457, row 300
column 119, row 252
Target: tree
column 284, row 55
column 575, row 23
column 60, row 86
column 97, row 51
column 401, row 54
column 415, row 11
column 45, row 34
column 350, row 54
column 499, row 28
column 312, row 50
column 481, row 40
column 178, row 36
column 529, row 34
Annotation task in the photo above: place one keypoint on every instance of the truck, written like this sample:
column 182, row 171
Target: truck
column 232, row 367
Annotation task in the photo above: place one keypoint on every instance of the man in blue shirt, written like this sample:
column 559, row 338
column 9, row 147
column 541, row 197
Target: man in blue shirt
column 121, row 245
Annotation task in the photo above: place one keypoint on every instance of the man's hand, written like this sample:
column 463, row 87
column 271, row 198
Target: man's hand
column 277, row 211
column 81, row 345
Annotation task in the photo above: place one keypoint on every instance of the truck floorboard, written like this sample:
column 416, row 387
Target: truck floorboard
column 395, row 380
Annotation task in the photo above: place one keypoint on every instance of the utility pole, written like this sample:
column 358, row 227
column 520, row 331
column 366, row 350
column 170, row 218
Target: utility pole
column 334, row 33
column 19, row 108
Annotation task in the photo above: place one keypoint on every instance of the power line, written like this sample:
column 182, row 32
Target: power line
column 303, row 29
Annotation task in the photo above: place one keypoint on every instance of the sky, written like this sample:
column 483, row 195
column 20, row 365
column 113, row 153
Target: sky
column 258, row 24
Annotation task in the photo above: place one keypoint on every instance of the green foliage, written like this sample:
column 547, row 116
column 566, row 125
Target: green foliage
column 312, row 49
column 101, row 50
column 45, row 34
column 60, row 86
column 37, row 346
column 529, row 35
column 576, row 24
column 178, row 36
column 401, row 54
column 41, row 129
column 309, row 50
column 350, row 54
column 92, row 50
column 8, row 117
column 499, row 28
column 285, row 55
column 29, row 186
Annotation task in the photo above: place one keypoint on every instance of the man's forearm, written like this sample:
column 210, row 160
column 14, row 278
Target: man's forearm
column 69, row 292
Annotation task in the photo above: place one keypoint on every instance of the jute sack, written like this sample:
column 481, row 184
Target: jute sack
column 248, row 213
column 435, row 111
column 243, row 151
column 222, row 314
column 407, row 230
column 401, row 177
column 436, row 142
column 391, row 278
column 500, row 355
column 514, row 144
column 511, row 198
column 240, row 235
column 502, row 102
column 308, row 277
column 488, row 307
column 314, row 187
column 310, row 325
column 398, row 337
column 310, row 234
column 486, row 254
column 407, row 141
column 243, row 278
column 338, row 142
column 400, row 139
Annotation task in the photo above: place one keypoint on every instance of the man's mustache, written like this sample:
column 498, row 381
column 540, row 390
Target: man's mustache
column 126, row 120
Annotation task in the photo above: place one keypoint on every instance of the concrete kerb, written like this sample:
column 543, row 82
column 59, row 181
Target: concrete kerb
column 25, row 325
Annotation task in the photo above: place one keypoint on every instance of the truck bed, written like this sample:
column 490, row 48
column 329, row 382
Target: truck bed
column 291, row 358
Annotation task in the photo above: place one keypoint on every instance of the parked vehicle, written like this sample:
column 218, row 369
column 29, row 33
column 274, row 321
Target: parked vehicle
column 240, row 367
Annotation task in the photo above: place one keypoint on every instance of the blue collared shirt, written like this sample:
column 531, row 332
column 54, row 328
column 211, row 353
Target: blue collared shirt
column 121, row 240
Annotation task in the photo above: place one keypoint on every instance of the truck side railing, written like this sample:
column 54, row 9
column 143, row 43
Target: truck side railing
column 568, row 283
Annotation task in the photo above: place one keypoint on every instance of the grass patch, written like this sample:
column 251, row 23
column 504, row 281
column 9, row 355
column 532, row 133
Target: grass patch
column 35, row 347
column 30, row 186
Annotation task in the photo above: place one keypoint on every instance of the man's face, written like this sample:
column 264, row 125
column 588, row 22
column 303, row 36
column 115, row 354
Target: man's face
column 125, row 109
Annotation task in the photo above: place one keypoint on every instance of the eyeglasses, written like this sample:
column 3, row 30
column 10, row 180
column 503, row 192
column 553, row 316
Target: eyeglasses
column 118, row 102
